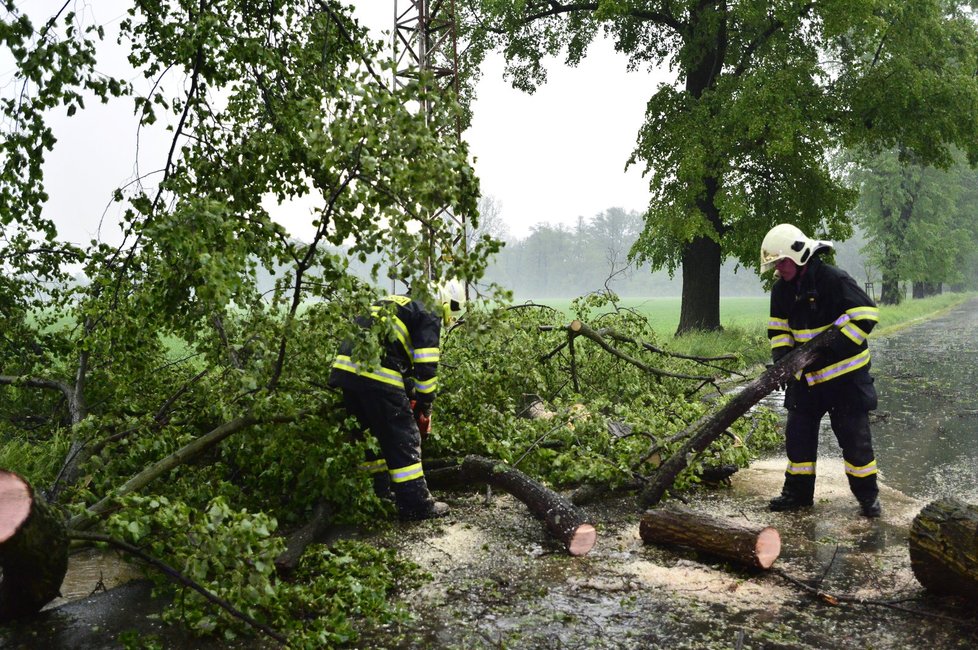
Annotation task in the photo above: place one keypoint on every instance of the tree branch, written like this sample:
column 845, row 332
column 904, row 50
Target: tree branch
column 166, row 569
column 193, row 449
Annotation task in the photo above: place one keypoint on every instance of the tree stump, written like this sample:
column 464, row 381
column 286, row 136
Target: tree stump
column 33, row 549
column 563, row 519
column 944, row 548
column 753, row 546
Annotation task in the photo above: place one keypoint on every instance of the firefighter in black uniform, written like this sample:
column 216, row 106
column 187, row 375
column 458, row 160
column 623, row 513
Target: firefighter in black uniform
column 393, row 401
column 808, row 297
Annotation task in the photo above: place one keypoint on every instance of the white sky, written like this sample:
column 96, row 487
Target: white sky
column 548, row 157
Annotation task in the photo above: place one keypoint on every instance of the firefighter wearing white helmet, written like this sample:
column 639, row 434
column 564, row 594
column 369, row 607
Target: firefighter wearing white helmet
column 785, row 241
column 451, row 299
column 808, row 297
column 393, row 399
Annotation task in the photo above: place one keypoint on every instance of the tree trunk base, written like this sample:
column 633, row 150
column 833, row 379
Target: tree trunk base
column 753, row 546
column 33, row 549
column 944, row 548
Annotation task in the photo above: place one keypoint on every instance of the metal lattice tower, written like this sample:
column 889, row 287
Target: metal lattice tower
column 426, row 40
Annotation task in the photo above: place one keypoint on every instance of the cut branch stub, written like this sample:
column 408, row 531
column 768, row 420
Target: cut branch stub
column 747, row 544
column 33, row 549
column 563, row 519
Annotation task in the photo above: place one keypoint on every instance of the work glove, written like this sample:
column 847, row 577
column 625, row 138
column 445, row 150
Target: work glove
column 422, row 415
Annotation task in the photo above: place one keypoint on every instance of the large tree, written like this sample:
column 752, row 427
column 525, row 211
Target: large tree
column 763, row 91
column 919, row 220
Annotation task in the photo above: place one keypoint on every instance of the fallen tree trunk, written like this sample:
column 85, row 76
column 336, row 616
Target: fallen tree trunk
column 746, row 544
column 33, row 549
column 314, row 530
column 563, row 519
column 944, row 548
column 711, row 427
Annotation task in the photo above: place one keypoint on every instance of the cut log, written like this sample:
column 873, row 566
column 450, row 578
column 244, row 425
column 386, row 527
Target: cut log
column 746, row 544
column 563, row 519
column 944, row 548
column 33, row 549
column 703, row 432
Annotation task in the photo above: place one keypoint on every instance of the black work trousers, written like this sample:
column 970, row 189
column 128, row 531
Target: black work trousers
column 851, row 428
column 388, row 416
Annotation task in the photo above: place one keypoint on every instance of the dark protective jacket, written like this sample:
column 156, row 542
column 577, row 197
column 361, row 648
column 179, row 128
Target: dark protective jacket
column 409, row 358
column 817, row 299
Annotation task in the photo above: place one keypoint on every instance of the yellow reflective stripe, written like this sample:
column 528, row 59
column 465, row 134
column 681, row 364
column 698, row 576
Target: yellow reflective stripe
column 427, row 386
column 400, row 300
column 864, row 313
column 409, row 473
column 801, row 469
column 782, row 341
column 383, row 375
column 807, row 335
column 778, row 324
column 861, row 472
column 427, row 355
column 843, row 367
column 400, row 329
column 854, row 333
column 374, row 466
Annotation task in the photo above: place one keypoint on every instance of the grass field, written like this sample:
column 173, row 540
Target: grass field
column 745, row 322
column 663, row 313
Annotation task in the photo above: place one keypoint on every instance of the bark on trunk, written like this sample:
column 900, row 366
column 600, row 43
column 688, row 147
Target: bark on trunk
column 708, row 429
column 746, row 544
column 700, row 307
column 314, row 531
column 944, row 548
column 563, row 519
column 33, row 549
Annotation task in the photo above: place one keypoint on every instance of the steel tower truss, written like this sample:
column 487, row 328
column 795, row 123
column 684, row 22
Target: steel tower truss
column 426, row 40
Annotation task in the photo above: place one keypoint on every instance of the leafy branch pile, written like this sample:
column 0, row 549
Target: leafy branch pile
column 612, row 431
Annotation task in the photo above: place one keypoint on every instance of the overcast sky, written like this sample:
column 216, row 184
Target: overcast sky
column 547, row 157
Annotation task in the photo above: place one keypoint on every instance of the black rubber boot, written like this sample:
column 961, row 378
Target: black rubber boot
column 415, row 503
column 866, row 490
column 382, row 486
column 797, row 493
column 870, row 508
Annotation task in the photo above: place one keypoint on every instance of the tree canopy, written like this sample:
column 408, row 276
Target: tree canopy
column 920, row 221
column 764, row 92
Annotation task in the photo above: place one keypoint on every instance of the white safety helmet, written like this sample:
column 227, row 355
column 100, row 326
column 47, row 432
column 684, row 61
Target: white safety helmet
column 451, row 299
column 785, row 240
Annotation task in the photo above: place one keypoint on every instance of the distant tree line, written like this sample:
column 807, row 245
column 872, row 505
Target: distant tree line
column 555, row 261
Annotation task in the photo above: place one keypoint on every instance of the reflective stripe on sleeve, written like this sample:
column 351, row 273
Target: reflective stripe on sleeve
column 426, row 355
column 778, row 324
column 854, row 333
column 409, row 473
column 426, row 387
column 782, row 341
column 801, row 469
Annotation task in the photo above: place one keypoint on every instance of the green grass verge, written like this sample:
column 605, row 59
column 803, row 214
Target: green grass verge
column 745, row 322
